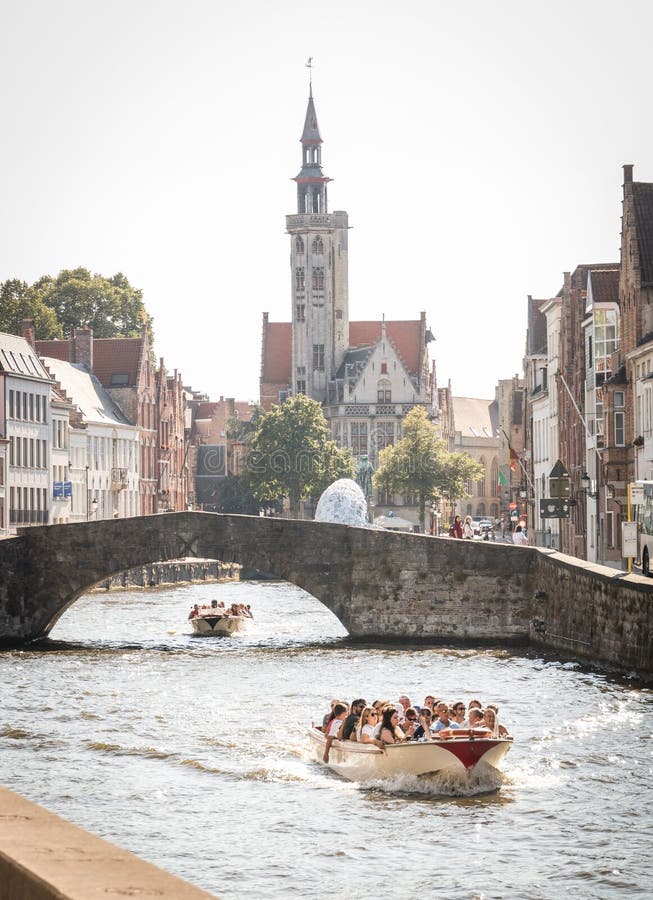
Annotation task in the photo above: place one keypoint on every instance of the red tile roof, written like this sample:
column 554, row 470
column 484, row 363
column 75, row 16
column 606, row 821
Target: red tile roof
column 53, row 349
column 605, row 285
column 276, row 367
column 110, row 356
column 406, row 337
column 117, row 356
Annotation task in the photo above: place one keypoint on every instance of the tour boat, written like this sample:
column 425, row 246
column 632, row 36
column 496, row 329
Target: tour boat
column 209, row 623
column 466, row 752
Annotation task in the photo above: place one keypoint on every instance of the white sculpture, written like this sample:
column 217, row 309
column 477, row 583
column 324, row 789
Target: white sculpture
column 343, row 503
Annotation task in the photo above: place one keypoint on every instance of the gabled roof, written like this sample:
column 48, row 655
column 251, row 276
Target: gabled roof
column 111, row 356
column 404, row 335
column 643, row 203
column 605, row 285
column 86, row 392
column 475, row 418
column 18, row 357
column 117, row 356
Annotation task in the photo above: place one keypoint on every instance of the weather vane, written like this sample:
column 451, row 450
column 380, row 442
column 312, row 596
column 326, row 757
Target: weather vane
column 309, row 66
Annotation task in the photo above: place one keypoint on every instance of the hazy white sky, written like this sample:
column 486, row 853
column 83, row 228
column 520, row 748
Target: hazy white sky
column 476, row 146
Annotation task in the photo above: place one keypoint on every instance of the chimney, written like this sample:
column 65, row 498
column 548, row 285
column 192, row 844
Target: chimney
column 628, row 173
column 27, row 330
column 81, row 340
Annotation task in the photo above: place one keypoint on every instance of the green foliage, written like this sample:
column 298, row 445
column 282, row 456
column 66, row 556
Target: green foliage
column 421, row 464
column 291, row 453
column 234, row 496
column 110, row 306
column 18, row 302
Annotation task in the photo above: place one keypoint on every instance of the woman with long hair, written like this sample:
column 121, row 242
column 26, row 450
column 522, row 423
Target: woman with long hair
column 391, row 733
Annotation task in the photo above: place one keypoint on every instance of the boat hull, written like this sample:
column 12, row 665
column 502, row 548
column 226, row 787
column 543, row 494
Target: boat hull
column 206, row 626
column 366, row 762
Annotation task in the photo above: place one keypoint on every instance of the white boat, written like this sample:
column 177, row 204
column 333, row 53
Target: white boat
column 462, row 754
column 208, row 624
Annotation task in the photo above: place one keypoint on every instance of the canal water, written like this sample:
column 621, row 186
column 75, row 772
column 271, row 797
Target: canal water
column 190, row 752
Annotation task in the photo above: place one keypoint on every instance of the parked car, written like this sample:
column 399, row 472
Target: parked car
column 486, row 529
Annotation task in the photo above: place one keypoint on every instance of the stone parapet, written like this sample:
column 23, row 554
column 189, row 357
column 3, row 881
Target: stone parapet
column 43, row 857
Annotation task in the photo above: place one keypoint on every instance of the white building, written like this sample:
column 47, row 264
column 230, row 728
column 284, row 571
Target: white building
column 25, row 392
column 102, row 447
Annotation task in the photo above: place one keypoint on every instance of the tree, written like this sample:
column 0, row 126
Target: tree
column 18, row 302
column 421, row 464
column 235, row 496
column 110, row 306
column 291, row 454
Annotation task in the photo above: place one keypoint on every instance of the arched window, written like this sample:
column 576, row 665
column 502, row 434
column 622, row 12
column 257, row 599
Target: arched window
column 480, row 484
column 494, row 478
column 481, row 510
column 299, row 278
column 318, row 246
column 299, row 245
column 318, row 278
column 383, row 391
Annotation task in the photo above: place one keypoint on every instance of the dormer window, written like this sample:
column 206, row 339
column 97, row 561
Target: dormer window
column 384, row 391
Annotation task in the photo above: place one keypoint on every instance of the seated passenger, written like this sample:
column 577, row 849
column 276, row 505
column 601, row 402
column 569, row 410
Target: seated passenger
column 444, row 721
column 351, row 720
column 491, row 721
column 194, row 613
column 410, row 722
column 423, row 730
column 366, row 725
column 391, row 733
column 326, row 721
column 335, row 728
column 475, row 704
column 476, row 718
column 458, row 709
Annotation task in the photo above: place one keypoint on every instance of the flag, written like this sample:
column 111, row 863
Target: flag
column 502, row 479
column 514, row 459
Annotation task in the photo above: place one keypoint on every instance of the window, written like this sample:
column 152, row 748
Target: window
column 317, row 246
column 300, row 312
column 301, row 386
column 609, row 529
column 619, row 400
column 299, row 278
column 11, row 404
column 384, row 435
column 386, row 498
column 620, row 429
column 358, row 431
column 383, row 395
column 299, row 245
column 317, row 278
column 119, row 379
column 318, row 357
column 338, row 314
column 384, row 368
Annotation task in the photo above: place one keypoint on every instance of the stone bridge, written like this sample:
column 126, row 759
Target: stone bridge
column 379, row 584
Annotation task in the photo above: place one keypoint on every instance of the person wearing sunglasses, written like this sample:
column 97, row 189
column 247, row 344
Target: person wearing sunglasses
column 423, row 730
column 366, row 727
column 459, row 714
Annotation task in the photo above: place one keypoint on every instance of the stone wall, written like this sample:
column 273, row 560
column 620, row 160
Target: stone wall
column 176, row 571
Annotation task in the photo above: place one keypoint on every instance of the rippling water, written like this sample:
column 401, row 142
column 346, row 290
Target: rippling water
column 190, row 752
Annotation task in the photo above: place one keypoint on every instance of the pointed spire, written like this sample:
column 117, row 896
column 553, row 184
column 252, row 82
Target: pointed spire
column 311, row 133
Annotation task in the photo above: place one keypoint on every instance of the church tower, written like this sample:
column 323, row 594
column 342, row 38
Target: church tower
column 319, row 273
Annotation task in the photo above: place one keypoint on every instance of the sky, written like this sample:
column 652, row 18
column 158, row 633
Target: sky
column 477, row 148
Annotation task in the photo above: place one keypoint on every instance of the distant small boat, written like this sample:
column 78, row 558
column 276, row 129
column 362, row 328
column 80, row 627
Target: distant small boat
column 209, row 624
column 463, row 753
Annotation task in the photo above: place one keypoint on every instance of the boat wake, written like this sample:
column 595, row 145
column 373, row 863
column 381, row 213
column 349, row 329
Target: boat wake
column 440, row 784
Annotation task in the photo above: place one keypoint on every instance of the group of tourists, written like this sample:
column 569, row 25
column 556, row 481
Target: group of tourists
column 465, row 530
column 384, row 722
column 219, row 609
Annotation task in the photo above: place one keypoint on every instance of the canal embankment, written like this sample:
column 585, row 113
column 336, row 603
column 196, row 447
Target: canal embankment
column 171, row 572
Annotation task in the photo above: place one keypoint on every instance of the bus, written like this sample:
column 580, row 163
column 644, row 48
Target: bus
column 644, row 519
